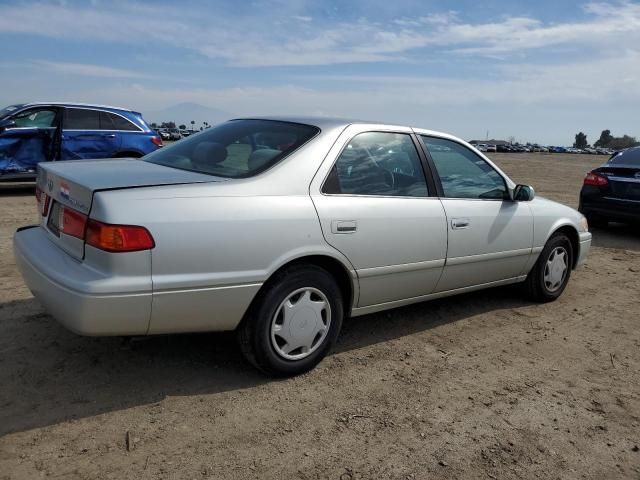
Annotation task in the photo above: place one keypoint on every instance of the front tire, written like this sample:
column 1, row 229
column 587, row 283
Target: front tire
column 293, row 323
column 549, row 276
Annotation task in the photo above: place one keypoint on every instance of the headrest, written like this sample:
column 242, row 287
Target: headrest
column 208, row 154
column 260, row 158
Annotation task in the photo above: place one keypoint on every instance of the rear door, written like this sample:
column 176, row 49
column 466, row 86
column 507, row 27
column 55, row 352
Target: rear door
column 490, row 236
column 374, row 205
column 31, row 141
column 88, row 133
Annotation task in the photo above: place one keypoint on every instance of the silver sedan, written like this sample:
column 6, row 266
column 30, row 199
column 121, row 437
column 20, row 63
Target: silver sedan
column 280, row 228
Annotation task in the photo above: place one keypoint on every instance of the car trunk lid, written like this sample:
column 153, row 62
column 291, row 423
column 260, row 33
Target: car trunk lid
column 71, row 185
column 624, row 181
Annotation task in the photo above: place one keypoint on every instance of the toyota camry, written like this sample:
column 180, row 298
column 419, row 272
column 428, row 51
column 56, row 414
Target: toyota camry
column 279, row 228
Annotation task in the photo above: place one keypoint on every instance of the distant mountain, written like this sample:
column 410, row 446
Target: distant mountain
column 183, row 113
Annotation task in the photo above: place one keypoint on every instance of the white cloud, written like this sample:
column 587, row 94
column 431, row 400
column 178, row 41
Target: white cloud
column 254, row 41
column 88, row 70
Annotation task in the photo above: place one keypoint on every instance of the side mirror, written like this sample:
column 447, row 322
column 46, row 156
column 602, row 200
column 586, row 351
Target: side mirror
column 6, row 123
column 523, row 193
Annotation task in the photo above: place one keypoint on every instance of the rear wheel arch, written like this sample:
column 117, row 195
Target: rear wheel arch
column 333, row 266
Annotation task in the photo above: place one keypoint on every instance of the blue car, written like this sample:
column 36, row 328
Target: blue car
column 31, row 133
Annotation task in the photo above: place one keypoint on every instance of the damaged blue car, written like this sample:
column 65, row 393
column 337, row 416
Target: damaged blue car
column 31, row 133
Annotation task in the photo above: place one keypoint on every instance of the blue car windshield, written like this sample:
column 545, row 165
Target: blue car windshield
column 9, row 110
column 235, row 149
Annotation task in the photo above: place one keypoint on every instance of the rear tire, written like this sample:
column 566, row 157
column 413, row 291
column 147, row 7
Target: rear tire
column 547, row 279
column 597, row 221
column 300, row 305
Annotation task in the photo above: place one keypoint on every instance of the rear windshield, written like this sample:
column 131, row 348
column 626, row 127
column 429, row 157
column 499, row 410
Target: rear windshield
column 626, row 158
column 235, row 149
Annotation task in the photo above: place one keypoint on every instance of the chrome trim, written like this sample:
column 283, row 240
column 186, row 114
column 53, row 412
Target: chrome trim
column 616, row 199
column 488, row 256
column 73, row 104
column 402, row 268
column 204, row 289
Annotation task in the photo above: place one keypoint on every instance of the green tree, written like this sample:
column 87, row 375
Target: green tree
column 154, row 125
column 581, row 141
column 168, row 125
column 618, row 143
column 604, row 140
column 182, row 127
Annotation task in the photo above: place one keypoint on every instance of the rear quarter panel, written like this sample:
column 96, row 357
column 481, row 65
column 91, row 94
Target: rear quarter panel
column 213, row 252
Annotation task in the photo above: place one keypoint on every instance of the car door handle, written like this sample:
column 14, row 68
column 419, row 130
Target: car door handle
column 344, row 226
column 111, row 135
column 458, row 223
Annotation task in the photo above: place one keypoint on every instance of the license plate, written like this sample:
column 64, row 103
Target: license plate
column 55, row 223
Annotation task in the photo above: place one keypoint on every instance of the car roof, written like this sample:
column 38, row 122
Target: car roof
column 332, row 122
column 76, row 104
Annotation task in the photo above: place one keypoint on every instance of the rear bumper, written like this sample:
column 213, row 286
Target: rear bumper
column 585, row 247
column 66, row 288
column 611, row 208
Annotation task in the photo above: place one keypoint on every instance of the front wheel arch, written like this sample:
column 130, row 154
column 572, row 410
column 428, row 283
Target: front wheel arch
column 574, row 238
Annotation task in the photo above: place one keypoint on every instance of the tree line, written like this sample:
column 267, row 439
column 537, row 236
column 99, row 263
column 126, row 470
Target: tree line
column 606, row 140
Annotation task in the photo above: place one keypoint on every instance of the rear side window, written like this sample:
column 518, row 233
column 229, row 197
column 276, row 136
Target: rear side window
column 626, row 158
column 378, row 163
column 81, row 119
column 111, row 121
column 235, row 149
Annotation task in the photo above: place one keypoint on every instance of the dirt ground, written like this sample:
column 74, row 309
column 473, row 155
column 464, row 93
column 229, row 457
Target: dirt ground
column 485, row 385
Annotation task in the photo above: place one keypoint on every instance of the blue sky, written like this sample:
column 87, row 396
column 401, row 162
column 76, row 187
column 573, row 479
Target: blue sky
column 538, row 71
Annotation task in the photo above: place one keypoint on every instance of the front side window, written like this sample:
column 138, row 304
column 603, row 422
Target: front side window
column 35, row 118
column 378, row 163
column 235, row 149
column 464, row 174
column 81, row 119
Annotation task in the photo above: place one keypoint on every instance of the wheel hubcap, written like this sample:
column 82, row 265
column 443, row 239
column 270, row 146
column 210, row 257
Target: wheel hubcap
column 301, row 323
column 555, row 269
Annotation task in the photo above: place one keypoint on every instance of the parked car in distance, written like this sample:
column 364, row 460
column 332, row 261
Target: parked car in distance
column 491, row 148
column 482, row 147
column 31, row 133
column 281, row 227
column 164, row 134
column 174, row 134
column 611, row 192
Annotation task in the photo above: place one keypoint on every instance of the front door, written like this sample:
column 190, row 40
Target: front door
column 374, row 207
column 490, row 236
column 86, row 134
column 31, row 140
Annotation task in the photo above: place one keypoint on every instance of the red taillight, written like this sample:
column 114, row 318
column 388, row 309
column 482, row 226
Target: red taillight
column 596, row 180
column 118, row 238
column 156, row 141
column 73, row 223
column 43, row 201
